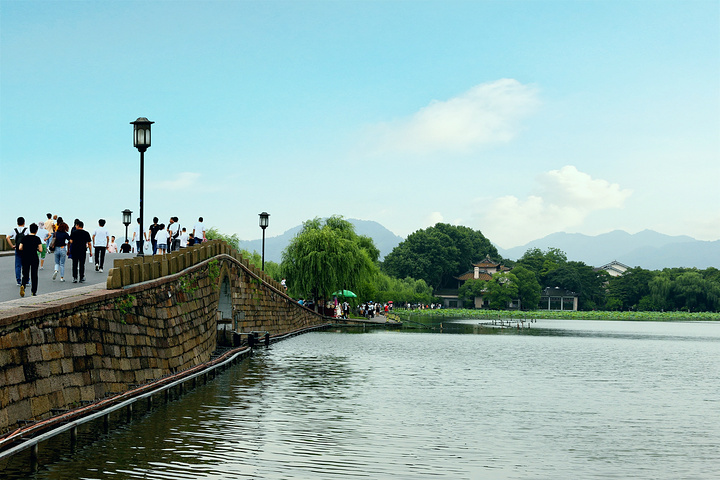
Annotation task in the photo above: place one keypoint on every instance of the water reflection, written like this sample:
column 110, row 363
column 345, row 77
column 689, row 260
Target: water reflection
column 563, row 399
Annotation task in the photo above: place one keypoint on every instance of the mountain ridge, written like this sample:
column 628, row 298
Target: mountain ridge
column 648, row 249
column 384, row 239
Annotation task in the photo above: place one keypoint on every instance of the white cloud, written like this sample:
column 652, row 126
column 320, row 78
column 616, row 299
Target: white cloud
column 487, row 113
column 432, row 218
column 569, row 186
column 567, row 196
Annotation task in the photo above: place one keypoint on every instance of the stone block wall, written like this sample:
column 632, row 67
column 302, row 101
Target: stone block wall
column 91, row 346
column 135, row 270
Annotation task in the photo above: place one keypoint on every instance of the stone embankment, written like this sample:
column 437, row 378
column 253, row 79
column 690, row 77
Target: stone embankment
column 158, row 316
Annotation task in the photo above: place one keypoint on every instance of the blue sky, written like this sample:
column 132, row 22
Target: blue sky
column 517, row 118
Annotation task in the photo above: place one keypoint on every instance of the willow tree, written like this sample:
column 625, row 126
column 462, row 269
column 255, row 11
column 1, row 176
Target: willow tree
column 325, row 257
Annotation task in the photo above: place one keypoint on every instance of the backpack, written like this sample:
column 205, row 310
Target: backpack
column 19, row 236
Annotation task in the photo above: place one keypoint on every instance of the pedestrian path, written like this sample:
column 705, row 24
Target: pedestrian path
column 9, row 291
column 21, row 304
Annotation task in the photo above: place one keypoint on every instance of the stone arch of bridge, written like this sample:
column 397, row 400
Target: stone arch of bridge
column 225, row 318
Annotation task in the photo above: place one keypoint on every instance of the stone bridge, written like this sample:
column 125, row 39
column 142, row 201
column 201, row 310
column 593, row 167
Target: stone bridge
column 157, row 316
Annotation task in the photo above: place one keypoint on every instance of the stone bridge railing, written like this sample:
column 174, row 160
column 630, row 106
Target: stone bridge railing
column 151, row 267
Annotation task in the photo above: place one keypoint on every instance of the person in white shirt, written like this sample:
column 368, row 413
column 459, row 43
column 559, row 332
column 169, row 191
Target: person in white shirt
column 199, row 231
column 43, row 235
column 161, row 237
column 112, row 246
column 101, row 239
column 174, row 228
column 183, row 238
column 137, row 240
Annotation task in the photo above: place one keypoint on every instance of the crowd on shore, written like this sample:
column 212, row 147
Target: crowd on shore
column 33, row 242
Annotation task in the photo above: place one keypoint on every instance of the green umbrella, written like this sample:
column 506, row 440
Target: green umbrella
column 344, row 293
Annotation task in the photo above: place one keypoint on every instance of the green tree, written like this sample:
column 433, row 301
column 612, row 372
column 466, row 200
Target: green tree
column 326, row 257
column 630, row 287
column 529, row 290
column 215, row 234
column 543, row 263
column 401, row 291
column 438, row 254
column 581, row 279
column 501, row 290
column 272, row 269
column 470, row 289
column 660, row 288
column 690, row 292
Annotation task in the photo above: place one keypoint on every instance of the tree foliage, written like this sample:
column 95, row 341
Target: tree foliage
column 272, row 269
column 501, row 290
column 529, row 290
column 543, row 263
column 325, row 257
column 685, row 289
column 400, row 291
column 438, row 254
column 470, row 289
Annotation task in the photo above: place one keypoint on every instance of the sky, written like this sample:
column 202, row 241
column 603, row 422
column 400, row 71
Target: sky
column 515, row 118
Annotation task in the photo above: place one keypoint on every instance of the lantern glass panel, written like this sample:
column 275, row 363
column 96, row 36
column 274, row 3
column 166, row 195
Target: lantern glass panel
column 264, row 220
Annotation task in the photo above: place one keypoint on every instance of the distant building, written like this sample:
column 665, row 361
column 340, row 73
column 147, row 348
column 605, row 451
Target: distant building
column 483, row 270
column 556, row 298
column 614, row 268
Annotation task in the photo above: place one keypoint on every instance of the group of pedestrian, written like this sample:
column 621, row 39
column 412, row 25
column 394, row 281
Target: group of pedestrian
column 167, row 238
column 32, row 243
column 370, row 309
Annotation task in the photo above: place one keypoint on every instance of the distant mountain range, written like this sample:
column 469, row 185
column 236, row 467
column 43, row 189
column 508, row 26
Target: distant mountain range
column 384, row 239
column 647, row 249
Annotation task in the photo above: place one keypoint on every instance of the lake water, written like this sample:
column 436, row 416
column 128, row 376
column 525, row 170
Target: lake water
column 563, row 400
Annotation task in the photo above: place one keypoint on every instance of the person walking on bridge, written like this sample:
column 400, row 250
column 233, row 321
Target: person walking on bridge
column 29, row 247
column 62, row 238
column 154, row 229
column 80, row 242
column 14, row 239
column 199, row 231
column 101, row 239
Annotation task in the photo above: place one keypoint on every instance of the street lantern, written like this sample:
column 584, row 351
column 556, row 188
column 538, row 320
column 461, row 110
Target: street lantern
column 264, row 222
column 127, row 220
column 141, row 133
column 141, row 141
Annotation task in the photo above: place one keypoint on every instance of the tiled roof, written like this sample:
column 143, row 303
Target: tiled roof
column 471, row 276
column 487, row 262
column 466, row 276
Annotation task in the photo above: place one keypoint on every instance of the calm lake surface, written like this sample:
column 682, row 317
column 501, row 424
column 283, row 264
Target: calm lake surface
column 564, row 400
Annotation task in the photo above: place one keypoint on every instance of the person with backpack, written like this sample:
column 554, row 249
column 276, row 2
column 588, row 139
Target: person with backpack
column 29, row 247
column 14, row 239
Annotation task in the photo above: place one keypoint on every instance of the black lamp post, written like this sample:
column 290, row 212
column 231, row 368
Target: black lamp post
column 127, row 219
column 141, row 141
column 264, row 221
